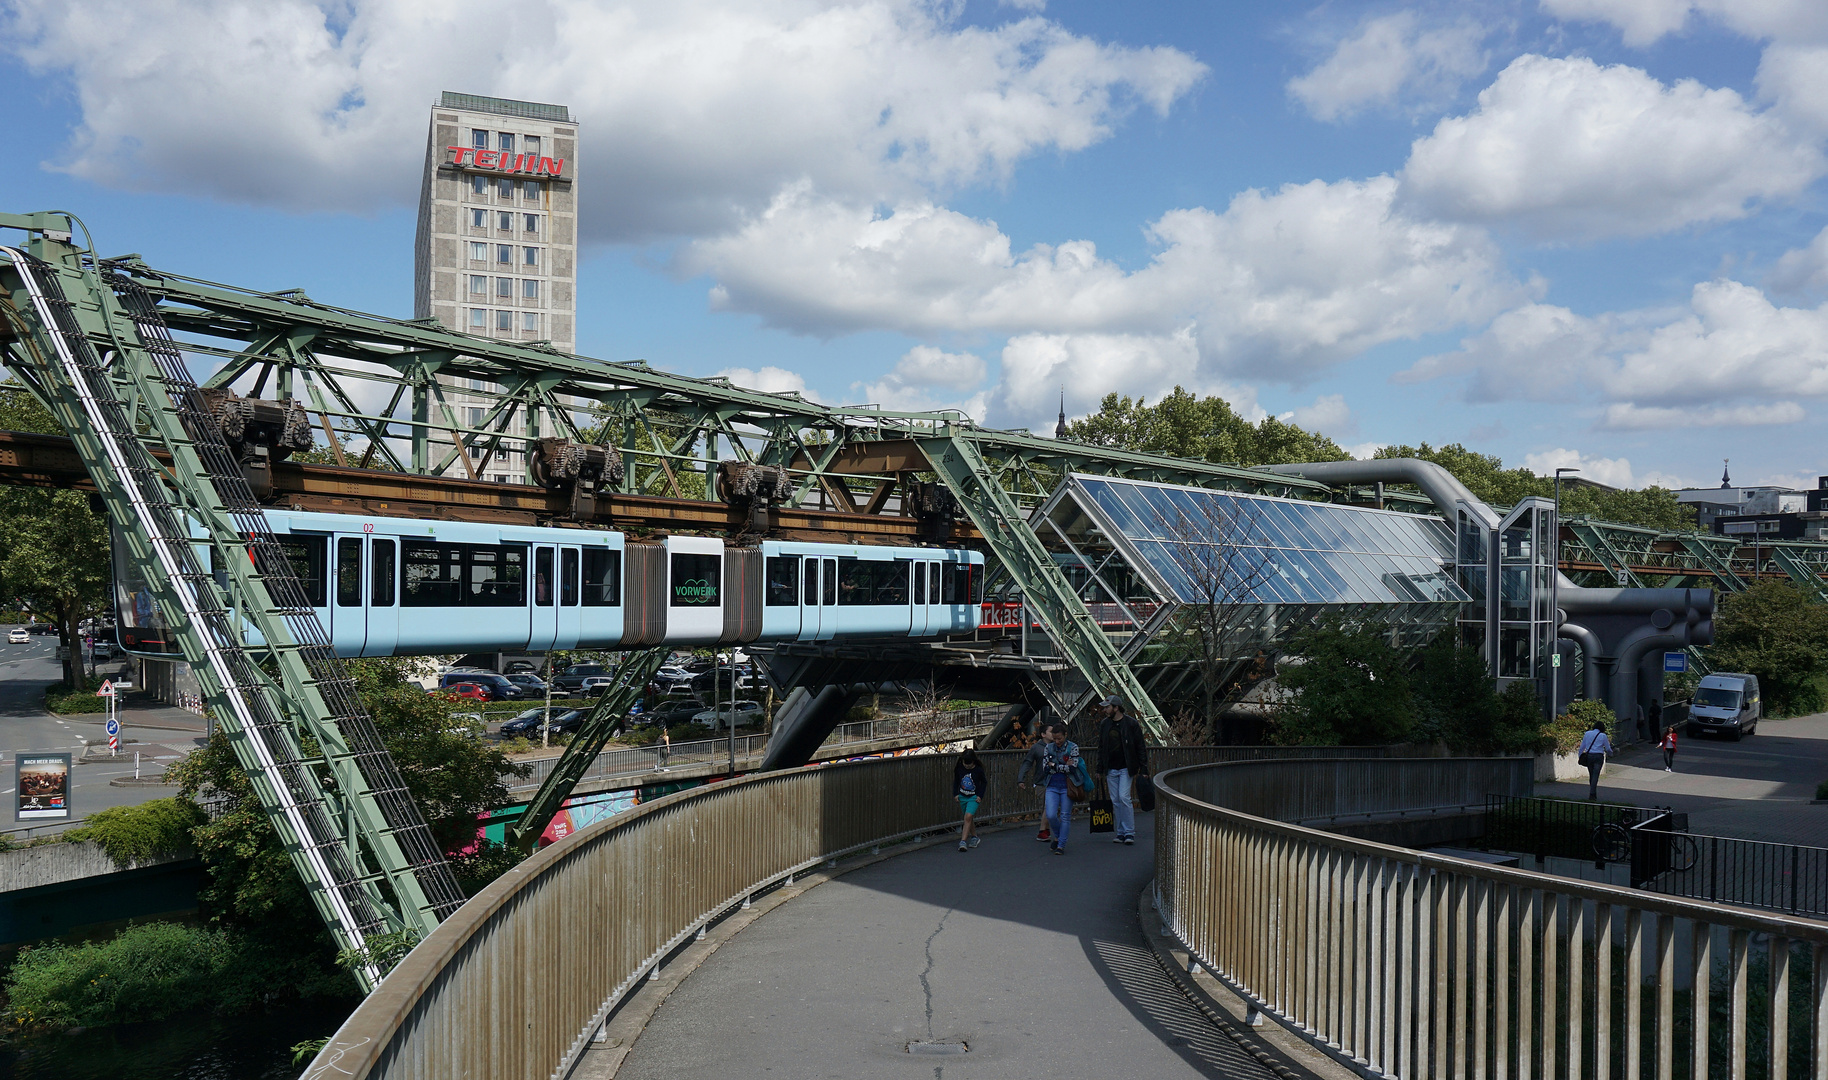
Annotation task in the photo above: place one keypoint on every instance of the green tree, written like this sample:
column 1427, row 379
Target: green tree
column 1351, row 688
column 452, row 773
column 1778, row 632
column 1454, row 701
column 1184, row 425
column 55, row 560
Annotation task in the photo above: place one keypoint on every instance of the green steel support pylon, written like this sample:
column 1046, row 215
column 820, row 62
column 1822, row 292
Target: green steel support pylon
column 1799, row 571
column 631, row 679
column 1045, row 589
column 92, row 349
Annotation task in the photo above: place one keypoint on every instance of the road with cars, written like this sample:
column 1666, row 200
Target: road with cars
column 161, row 735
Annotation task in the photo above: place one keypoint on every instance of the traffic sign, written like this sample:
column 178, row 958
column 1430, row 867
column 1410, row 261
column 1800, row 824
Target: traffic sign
column 114, row 743
column 114, row 726
column 1554, row 659
column 1675, row 662
column 107, row 690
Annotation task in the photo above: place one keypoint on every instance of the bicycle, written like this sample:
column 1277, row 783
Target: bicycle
column 1611, row 843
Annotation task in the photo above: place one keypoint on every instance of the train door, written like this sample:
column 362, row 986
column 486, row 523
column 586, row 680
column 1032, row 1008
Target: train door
column 928, row 617
column 383, row 596
column 917, row 600
column 348, row 620
column 809, row 600
column 545, row 597
column 828, row 599
column 570, row 610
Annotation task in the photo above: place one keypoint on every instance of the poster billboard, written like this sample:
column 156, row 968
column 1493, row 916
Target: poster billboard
column 43, row 784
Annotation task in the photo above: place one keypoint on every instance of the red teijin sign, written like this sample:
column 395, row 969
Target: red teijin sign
column 507, row 162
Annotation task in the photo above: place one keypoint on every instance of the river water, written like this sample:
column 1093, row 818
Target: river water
column 201, row 1047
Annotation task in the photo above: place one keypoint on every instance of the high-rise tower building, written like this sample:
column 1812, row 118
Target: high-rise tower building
column 496, row 251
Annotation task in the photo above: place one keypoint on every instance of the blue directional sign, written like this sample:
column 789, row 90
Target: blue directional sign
column 1675, row 662
column 114, row 726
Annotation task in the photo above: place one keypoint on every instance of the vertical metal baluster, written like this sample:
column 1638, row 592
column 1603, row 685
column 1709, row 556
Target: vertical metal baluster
column 1482, row 965
column 1666, row 996
column 1527, row 899
column 1779, row 1068
column 1701, row 1008
column 1577, row 963
column 1602, row 991
column 1550, row 1031
column 1502, row 936
column 1441, row 993
column 1739, row 945
column 1634, row 988
column 1818, row 1010
column 1421, row 985
column 1462, row 976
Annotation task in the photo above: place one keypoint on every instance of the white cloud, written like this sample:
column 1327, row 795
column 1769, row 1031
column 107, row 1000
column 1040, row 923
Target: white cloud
column 926, row 379
column 1628, row 417
column 1644, row 22
column 1366, row 450
column 1390, row 57
column 1796, row 78
column 1329, row 415
column 1802, row 269
column 769, row 380
column 692, row 111
column 1729, row 358
column 1037, row 367
column 1568, row 150
column 1613, row 472
column 1280, row 285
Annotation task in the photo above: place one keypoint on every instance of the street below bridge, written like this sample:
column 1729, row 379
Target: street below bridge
column 161, row 734
column 1036, row 964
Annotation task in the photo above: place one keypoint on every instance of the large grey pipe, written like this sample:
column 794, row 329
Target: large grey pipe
column 1436, row 482
column 1590, row 655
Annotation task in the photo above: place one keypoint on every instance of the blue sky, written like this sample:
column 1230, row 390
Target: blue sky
column 1583, row 232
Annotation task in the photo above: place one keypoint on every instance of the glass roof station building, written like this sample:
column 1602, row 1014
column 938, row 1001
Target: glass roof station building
column 1182, row 576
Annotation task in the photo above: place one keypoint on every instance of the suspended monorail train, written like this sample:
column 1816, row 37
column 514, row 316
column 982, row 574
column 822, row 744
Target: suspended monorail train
column 410, row 587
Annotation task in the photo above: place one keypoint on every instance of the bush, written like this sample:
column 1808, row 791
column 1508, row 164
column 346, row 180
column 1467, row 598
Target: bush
column 1519, row 728
column 1352, row 689
column 155, row 971
column 60, row 699
column 1567, row 729
column 134, row 833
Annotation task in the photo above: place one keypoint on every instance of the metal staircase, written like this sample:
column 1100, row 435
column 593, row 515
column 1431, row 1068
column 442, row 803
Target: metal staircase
column 90, row 345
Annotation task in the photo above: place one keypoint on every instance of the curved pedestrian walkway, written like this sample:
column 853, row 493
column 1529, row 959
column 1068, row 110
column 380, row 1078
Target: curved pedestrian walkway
column 1036, row 963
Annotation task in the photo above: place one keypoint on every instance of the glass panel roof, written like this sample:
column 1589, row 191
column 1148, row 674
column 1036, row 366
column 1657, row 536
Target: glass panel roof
column 1268, row 550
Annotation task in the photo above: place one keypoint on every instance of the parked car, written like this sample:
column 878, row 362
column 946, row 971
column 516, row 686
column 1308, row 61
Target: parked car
column 528, row 723
column 18, row 636
column 519, row 667
column 467, row 690
column 595, row 685
column 744, row 713
column 1726, row 704
column 498, row 686
column 531, row 685
column 670, row 712
column 43, row 628
column 670, row 674
column 571, row 680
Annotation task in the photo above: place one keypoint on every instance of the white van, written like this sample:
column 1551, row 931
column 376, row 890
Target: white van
column 1725, row 703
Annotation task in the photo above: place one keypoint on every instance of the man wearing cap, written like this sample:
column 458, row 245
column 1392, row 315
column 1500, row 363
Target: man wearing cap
column 1121, row 757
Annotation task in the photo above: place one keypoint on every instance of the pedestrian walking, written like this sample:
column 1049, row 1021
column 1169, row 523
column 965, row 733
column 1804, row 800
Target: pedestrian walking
column 1122, row 756
column 1668, row 743
column 1034, row 768
column 1061, row 762
column 1594, row 746
column 968, row 786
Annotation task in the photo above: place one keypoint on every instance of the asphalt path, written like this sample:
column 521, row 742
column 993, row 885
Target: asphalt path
column 25, row 671
column 1034, row 962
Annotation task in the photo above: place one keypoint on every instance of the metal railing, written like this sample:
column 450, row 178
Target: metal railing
column 1420, row 965
column 1554, row 828
column 1727, row 870
column 517, row 981
column 627, row 760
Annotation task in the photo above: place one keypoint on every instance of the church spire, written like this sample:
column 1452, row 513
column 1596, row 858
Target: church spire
column 1060, row 428
column 1726, row 481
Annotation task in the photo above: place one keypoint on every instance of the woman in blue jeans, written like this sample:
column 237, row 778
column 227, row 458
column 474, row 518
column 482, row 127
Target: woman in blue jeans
column 1060, row 761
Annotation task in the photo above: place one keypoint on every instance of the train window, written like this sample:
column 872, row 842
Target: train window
column 542, row 577
column 381, row 575
column 568, row 577
column 829, row 578
column 811, row 591
column 863, row 583
column 497, row 576
column 433, row 574
column 696, row 579
column 933, row 582
column 306, row 554
column 602, row 577
column 955, row 586
column 348, row 572
column 920, row 583
column 783, row 585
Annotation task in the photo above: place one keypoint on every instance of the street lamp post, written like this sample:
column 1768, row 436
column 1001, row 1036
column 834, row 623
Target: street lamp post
column 1555, row 600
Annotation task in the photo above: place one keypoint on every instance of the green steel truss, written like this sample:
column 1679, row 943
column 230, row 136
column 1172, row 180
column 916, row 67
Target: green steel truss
column 91, row 347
